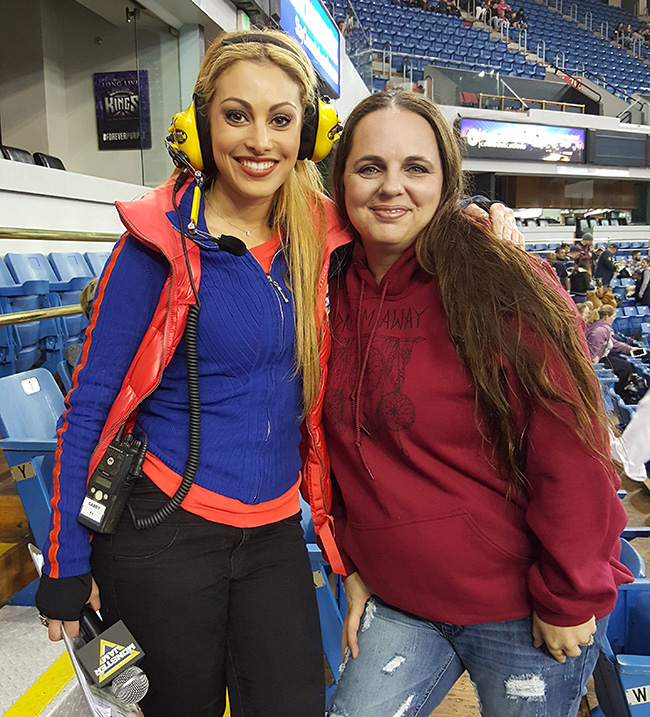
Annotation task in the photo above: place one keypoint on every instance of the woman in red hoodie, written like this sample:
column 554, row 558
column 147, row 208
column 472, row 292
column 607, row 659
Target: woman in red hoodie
column 473, row 537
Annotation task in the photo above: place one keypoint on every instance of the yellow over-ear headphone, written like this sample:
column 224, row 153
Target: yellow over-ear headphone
column 189, row 142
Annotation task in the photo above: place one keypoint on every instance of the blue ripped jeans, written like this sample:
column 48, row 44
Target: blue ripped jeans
column 406, row 666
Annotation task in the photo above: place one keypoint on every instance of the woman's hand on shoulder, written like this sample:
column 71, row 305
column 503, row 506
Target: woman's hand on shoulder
column 357, row 594
column 503, row 222
column 563, row 642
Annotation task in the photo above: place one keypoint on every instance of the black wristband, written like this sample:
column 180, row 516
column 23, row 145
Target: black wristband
column 63, row 598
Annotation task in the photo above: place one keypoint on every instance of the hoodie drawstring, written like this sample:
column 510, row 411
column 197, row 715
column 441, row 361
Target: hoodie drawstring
column 362, row 370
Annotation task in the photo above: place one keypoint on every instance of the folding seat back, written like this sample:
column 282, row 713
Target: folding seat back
column 30, row 408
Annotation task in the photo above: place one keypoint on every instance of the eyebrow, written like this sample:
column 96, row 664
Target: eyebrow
column 380, row 160
column 249, row 107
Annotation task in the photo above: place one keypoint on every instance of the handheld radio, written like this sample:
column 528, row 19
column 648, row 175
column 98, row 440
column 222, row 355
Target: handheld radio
column 111, row 483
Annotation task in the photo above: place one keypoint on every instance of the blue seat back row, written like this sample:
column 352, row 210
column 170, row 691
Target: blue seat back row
column 30, row 282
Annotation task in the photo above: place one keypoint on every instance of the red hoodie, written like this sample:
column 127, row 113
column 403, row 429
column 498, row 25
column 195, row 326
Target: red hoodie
column 426, row 519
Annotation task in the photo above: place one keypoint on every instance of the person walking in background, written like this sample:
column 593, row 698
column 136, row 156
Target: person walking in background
column 606, row 268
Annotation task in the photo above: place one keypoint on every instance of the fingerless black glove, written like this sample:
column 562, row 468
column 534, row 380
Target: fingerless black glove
column 63, row 598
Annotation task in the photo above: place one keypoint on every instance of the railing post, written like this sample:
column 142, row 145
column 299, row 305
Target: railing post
column 573, row 12
column 524, row 34
column 589, row 21
column 542, row 44
column 604, row 34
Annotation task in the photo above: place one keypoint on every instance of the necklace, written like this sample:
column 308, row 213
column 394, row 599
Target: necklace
column 219, row 214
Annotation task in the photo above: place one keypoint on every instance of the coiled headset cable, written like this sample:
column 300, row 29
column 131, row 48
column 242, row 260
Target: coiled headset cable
column 194, row 398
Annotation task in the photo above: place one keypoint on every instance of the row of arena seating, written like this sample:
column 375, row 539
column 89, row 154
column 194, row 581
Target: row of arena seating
column 30, row 282
column 439, row 39
column 576, row 48
column 582, row 225
column 625, row 248
column 450, row 42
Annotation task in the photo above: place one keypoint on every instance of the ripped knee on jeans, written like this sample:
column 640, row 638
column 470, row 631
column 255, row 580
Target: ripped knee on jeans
column 526, row 687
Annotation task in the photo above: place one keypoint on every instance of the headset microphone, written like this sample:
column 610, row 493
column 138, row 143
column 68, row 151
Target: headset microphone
column 231, row 244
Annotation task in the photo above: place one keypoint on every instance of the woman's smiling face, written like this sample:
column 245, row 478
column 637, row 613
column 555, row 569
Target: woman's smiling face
column 393, row 179
column 255, row 123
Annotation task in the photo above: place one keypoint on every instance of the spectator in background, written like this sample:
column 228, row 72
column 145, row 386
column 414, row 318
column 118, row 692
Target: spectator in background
column 586, row 244
column 580, row 280
column 633, row 265
column 499, row 20
column 559, row 268
column 86, row 298
column 606, row 349
column 605, row 268
column 520, row 18
column 642, row 289
column 573, row 254
column 585, row 310
column 618, row 33
column 600, row 336
column 481, row 10
column 607, row 296
column 632, row 449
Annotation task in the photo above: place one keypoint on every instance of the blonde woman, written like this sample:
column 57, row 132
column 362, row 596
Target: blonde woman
column 220, row 591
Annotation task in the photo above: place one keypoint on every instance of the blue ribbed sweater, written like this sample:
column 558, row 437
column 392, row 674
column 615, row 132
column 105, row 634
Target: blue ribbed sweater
column 251, row 400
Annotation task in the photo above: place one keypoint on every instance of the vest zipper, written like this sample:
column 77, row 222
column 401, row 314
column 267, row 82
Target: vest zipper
column 143, row 239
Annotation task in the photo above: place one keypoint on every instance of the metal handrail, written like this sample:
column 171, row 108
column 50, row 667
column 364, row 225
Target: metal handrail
column 589, row 21
column 541, row 57
column 523, row 46
column 56, row 235
column 573, row 12
column 359, row 24
column 636, row 47
column 563, row 56
column 432, row 58
column 410, row 62
column 387, row 45
column 605, row 34
column 523, row 101
column 505, row 35
column 26, row 317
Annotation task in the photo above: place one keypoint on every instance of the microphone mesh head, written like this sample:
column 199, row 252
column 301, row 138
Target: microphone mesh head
column 130, row 686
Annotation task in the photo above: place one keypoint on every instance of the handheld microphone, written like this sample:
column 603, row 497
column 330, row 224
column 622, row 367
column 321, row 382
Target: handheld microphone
column 108, row 657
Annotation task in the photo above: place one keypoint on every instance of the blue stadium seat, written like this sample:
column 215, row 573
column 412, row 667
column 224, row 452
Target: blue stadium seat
column 25, row 341
column 30, row 407
column 96, row 261
column 62, row 293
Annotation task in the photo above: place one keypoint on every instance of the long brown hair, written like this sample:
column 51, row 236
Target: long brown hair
column 297, row 208
column 492, row 295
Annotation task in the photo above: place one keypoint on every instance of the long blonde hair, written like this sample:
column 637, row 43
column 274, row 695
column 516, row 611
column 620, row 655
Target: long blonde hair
column 297, row 209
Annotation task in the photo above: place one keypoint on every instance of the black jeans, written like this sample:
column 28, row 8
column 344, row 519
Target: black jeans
column 215, row 606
